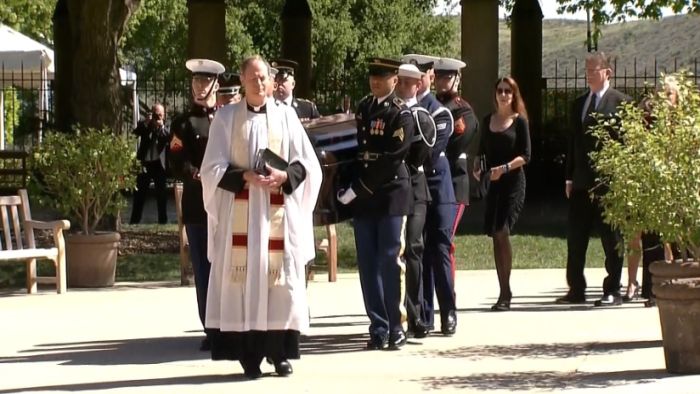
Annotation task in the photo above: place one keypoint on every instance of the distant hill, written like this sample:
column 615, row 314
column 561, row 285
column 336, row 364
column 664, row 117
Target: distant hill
column 671, row 39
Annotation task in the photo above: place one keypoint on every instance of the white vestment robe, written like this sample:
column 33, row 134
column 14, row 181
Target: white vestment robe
column 253, row 304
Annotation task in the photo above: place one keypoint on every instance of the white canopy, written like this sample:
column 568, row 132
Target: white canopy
column 29, row 64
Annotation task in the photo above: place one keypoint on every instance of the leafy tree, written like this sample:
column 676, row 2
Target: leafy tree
column 31, row 17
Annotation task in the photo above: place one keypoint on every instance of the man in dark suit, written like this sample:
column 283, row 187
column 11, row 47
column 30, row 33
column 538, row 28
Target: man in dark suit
column 153, row 138
column 284, row 91
column 585, row 211
column 380, row 194
column 438, row 272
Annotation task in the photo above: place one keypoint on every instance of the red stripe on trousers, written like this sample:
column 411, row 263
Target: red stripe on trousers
column 453, row 259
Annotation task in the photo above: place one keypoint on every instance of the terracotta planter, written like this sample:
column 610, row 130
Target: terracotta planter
column 92, row 259
column 677, row 290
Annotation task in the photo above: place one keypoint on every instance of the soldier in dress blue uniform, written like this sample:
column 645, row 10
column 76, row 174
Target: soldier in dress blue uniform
column 410, row 82
column 437, row 267
column 380, row 194
column 447, row 77
column 284, row 92
column 190, row 132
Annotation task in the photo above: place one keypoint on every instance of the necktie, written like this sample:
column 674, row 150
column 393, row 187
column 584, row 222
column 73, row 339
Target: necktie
column 591, row 105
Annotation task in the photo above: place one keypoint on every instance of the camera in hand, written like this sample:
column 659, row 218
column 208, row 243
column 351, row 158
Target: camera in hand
column 266, row 156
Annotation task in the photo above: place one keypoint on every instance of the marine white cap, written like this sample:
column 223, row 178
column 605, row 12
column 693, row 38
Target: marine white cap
column 204, row 66
column 449, row 64
column 419, row 60
column 410, row 71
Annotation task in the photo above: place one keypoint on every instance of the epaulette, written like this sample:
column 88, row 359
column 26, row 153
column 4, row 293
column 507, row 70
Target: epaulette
column 398, row 102
column 304, row 100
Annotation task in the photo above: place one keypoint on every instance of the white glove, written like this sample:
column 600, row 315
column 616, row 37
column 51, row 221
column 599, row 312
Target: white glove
column 346, row 196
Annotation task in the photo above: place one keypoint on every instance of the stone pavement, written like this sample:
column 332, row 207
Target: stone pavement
column 143, row 338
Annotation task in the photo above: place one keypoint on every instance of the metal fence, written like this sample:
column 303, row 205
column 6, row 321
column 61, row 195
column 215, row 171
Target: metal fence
column 26, row 98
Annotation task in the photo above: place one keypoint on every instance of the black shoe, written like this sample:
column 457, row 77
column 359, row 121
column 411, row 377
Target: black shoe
column 571, row 298
column 449, row 325
column 283, row 368
column 396, row 340
column 419, row 331
column 635, row 292
column 205, row 346
column 501, row 306
column 377, row 342
column 251, row 371
column 609, row 300
column 651, row 302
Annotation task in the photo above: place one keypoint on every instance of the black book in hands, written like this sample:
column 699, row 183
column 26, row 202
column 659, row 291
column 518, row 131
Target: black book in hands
column 266, row 156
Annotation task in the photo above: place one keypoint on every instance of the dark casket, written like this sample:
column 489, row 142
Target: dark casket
column 335, row 140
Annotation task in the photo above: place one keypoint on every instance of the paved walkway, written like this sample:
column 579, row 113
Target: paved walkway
column 143, row 338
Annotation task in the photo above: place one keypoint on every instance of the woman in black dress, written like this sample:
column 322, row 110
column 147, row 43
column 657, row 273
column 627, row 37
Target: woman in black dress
column 503, row 151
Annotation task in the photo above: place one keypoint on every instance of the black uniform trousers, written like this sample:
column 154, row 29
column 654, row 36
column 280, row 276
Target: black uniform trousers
column 153, row 170
column 379, row 240
column 413, row 256
column 584, row 215
column 437, row 265
column 197, row 238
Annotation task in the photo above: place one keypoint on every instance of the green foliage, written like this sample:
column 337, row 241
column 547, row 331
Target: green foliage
column 12, row 113
column 653, row 168
column 82, row 174
column 31, row 17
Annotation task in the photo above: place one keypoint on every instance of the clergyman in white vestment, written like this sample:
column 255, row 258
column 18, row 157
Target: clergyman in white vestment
column 260, row 227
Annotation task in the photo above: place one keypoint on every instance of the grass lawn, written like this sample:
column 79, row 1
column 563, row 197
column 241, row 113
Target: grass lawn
column 150, row 252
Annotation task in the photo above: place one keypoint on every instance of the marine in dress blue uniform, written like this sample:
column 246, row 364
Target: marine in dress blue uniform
column 284, row 91
column 438, row 274
column 466, row 124
column 190, row 133
column 380, row 194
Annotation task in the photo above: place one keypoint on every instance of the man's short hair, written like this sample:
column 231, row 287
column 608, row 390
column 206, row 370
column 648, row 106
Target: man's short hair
column 250, row 60
column 606, row 61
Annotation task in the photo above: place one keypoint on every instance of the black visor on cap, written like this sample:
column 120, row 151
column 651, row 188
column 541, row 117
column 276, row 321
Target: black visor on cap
column 383, row 67
column 446, row 73
column 424, row 67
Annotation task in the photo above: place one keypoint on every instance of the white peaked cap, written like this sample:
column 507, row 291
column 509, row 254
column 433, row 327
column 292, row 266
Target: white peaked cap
column 416, row 59
column 204, row 66
column 410, row 71
column 449, row 64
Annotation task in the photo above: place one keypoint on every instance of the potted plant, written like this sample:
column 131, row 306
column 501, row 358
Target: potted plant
column 650, row 165
column 82, row 174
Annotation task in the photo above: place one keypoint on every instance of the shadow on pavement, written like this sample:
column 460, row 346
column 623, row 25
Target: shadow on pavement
column 338, row 343
column 114, row 352
column 545, row 380
column 177, row 380
column 541, row 350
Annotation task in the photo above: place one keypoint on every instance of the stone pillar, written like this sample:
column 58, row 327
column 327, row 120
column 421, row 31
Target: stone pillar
column 206, row 36
column 480, row 52
column 296, row 43
column 526, row 56
column 63, row 67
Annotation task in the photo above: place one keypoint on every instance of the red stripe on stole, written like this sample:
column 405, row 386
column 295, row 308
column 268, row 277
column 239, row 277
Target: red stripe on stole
column 242, row 240
column 275, row 198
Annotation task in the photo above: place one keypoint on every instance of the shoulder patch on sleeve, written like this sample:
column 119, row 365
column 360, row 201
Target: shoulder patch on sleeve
column 398, row 133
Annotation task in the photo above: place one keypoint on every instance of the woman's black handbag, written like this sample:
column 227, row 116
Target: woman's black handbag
column 484, row 178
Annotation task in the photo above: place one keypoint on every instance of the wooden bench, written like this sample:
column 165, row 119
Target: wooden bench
column 329, row 246
column 17, row 223
column 186, row 274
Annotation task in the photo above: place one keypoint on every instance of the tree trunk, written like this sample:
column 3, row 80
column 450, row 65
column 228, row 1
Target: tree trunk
column 88, row 68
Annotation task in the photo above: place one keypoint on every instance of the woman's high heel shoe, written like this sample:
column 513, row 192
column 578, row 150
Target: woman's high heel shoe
column 501, row 306
column 635, row 294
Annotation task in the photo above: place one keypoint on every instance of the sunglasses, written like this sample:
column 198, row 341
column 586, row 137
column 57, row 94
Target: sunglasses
column 504, row 91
